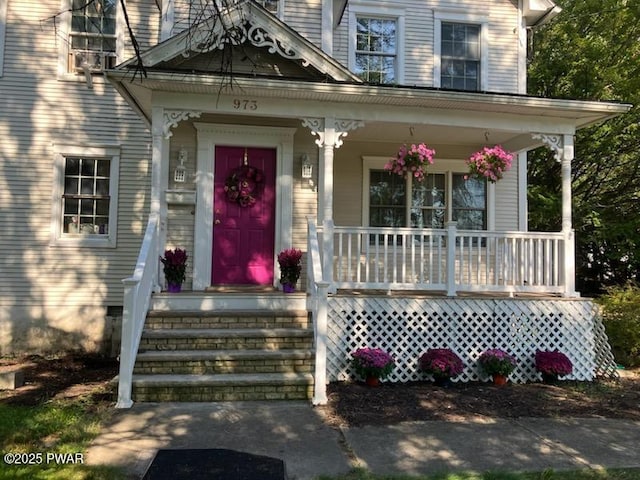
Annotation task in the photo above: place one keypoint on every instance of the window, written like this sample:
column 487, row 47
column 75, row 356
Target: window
column 85, row 203
column 460, row 56
column 273, row 6
column 92, row 35
column 392, row 201
column 3, row 27
column 376, row 48
column 461, row 51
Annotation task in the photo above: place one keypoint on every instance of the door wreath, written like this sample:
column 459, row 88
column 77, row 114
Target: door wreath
column 244, row 185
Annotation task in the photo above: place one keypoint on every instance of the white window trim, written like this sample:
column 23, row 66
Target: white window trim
column 61, row 152
column 3, row 29
column 456, row 17
column 386, row 11
column 448, row 167
column 64, row 44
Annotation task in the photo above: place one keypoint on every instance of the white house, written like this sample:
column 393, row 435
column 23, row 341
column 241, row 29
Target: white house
column 111, row 155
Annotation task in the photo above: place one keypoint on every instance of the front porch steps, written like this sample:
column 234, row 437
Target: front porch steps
column 227, row 355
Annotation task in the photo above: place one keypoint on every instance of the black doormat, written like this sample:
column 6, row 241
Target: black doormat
column 213, row 464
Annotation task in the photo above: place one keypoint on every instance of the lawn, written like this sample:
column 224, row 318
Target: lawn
column 48, row 441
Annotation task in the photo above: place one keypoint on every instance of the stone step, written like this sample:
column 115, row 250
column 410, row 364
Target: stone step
column 223, row 387
column 224, row 361
column 226, row 339
column 232, row 319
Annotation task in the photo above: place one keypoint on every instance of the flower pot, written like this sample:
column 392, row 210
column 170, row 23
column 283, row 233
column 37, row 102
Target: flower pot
column 549, row 378
column 288, row 287
column 499, row 379
column 372, row 381
column 174, row 287
column 444, row 382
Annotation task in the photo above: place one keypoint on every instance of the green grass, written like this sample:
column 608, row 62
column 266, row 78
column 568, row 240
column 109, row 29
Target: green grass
column 610, row 474
column 54, row 427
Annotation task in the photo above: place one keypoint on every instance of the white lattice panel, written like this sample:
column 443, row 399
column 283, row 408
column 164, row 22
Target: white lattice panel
column 406, row 327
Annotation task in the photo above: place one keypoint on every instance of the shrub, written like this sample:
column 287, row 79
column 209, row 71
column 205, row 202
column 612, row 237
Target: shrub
column 553, row 363
column 441, row 362
column 372, row 362
column 497, row 362
column 621, row 317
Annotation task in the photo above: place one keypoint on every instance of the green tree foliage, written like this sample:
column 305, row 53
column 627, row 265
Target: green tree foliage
column 591, row 51
column 621, row 317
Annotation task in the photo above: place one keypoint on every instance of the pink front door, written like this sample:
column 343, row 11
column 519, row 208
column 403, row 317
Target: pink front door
column 243, row 216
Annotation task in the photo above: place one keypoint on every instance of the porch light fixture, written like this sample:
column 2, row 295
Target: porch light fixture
column 307, row 170
column 180, row 173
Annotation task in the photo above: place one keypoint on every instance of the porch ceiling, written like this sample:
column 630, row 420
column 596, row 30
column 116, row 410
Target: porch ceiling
column 388, row 112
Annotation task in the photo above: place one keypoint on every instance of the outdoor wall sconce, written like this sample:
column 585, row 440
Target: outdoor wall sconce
column 307, row 170
column 180, row 173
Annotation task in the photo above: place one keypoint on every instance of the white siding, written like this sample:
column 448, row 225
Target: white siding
column 419, row 38
column 55, row 296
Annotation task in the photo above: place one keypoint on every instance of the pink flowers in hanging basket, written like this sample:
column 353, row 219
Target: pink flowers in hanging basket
column 489, row 163
column 411, row 161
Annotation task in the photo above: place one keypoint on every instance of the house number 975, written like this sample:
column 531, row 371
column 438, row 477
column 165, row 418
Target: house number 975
column 243, row 104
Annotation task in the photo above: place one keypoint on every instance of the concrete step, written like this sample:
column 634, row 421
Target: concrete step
column 223, row 387
column 232, row 319
column 226, row 339
column 224, row 361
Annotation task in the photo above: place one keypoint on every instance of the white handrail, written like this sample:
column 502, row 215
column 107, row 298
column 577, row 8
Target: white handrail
column 137, row 296
column 318, row 289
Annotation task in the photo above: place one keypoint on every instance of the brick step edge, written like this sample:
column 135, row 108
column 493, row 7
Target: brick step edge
column 222, row 380
column 203, row 355
column 227, row 313
column 226, row 332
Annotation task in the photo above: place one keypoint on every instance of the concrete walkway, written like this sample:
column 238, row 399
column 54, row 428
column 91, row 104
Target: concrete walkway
column 296, row 433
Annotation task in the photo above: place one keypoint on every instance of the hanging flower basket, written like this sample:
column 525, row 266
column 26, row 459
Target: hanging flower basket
column 244, row 185
column 490, row 163
column 411, row 161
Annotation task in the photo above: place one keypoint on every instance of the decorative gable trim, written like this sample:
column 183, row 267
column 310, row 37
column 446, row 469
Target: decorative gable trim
column 246, row 22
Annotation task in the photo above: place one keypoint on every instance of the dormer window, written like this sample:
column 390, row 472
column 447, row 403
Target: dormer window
column 92, row 35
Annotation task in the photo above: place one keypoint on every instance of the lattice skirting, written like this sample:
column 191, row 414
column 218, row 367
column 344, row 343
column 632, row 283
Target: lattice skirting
column 406, row 327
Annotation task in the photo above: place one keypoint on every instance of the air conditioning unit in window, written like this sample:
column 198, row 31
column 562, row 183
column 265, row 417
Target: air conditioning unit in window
column 81, row 61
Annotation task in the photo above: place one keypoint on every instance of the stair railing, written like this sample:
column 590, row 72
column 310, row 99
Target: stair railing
column 317, row 289
column 137, row 297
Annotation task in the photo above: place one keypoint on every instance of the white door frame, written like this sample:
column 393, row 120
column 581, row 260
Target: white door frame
column 211, row 135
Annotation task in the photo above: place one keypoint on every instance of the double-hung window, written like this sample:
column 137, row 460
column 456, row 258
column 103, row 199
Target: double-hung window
column 461, row 51
column 85, row 202
column 376, row 49
column 92, row 35
column 460, row 56
column 392, row 201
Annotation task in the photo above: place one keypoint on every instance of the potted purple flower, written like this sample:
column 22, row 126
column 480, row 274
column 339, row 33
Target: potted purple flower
column 552, row 364
column 290, row 268
column 489, row 163
column 372, row 364
column 442, row 364
column 174, row 266
column 497, row 363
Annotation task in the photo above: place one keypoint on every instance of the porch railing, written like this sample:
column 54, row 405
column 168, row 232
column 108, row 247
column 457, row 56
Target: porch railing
column 317, row 290
column 447, row 259
column 137, row 296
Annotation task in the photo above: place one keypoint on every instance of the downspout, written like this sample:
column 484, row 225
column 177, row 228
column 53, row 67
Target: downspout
column 327, row 27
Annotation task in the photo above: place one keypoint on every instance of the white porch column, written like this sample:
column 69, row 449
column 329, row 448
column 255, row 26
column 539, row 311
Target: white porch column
column 158, row 205
column 330, row 132
column 567, row 226
column 562, row 146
